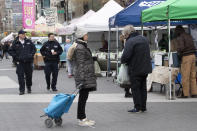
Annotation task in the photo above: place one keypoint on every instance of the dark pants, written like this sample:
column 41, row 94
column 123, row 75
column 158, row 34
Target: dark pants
column 5, row 53
column 138, row 86
column 24, row 72
column 83, row 96
column 51, row 67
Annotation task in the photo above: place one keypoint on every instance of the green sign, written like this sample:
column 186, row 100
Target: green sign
column 60, row 11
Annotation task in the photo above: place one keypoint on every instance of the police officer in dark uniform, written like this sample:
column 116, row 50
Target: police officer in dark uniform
column 22, row 51
column 51, row 50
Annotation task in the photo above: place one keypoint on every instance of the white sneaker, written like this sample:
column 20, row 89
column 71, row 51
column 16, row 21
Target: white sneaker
column 86, row 122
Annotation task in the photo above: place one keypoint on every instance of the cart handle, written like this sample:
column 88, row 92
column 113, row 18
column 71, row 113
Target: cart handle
column 79, row 87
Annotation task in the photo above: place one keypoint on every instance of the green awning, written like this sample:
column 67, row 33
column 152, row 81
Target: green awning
column 177, row 10
column 183, row 9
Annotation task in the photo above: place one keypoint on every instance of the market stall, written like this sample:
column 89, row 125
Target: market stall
column 171, row 10
column 131, row 16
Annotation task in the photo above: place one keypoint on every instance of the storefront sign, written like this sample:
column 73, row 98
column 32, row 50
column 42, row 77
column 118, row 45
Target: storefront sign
column 51, row 16
column 8, row 4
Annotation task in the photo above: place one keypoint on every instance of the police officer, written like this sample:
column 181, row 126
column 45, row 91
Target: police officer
column 22, row 51
column 51, row 50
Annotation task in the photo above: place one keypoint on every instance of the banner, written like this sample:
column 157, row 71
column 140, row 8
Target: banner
column 28, row 7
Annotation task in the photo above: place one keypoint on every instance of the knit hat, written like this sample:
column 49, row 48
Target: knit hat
column 80, row 32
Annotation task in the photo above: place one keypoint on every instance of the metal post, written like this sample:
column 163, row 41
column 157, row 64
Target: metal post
column 142, row 29
column 169, row 56
column 117, row 50
column 92, row 4
column 108, row 60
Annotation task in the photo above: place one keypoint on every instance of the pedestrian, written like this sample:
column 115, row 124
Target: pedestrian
column 186, row 50
column 1, row 51
column 136, row 55
column 51, row 51
column 84, row 74
column 127, row 87
column 23, row 50
column 5, row 50
column 163, row 43
column 69, row 62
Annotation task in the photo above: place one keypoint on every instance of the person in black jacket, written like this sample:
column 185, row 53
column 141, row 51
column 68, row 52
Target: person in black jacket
column 22, row 51
column 5, row 50
column 51, row 51
column 1, row 51
column 137, row 56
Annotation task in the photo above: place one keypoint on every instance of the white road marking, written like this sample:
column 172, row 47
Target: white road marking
column 100, row 98
column 11, row 69
column 7, row 83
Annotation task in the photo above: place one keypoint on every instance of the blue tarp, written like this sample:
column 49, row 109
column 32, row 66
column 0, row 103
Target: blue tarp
column 132, row 15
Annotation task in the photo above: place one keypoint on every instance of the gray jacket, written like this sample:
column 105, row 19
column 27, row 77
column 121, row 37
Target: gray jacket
column 84, row 65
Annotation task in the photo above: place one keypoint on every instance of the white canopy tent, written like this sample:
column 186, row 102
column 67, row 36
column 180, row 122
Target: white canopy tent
column 99, row 21
column 69, row 29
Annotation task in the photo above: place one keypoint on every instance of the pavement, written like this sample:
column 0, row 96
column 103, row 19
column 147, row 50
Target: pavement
column 107, row 106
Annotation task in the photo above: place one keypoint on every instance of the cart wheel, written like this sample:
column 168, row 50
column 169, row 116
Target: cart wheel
column 58, row 121
column 48, row 122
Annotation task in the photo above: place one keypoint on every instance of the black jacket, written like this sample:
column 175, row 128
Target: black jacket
column 137, row 55
column 46, row 51
column 5, row 47
column 22, row 52
column 84, row 64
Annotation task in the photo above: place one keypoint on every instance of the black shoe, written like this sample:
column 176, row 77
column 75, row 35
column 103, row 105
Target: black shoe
column 48, row 88
column 29, row 91
column 21, row 93
column 54, row 90
column 194, row 96
column 182, row 97
column 128, row 95
column 144, row 110
column 134, row 111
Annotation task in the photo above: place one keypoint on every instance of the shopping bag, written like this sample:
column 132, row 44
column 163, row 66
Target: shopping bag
column 97, row 69
column 123, row 75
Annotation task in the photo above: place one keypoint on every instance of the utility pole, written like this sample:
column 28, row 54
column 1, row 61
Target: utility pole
column 66, row 10
column 67, row 17
column 92, row 4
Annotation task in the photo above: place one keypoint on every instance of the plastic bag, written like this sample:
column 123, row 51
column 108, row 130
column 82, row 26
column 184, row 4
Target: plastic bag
column 97, row 69
column 123, row 75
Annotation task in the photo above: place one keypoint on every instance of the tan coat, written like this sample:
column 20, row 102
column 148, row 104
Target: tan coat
column 71, row 51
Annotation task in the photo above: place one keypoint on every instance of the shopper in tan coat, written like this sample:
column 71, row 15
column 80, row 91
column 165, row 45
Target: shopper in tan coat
column 186, row 49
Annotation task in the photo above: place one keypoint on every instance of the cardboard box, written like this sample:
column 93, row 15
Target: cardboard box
column 166, row 63
column 38, row 60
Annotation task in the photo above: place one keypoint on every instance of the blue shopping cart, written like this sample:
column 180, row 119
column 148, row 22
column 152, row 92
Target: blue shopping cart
column 59, row 105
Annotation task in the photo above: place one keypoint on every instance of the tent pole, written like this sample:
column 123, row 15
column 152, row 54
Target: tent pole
column 117, row 50
column 142, row 29
column 109, row 46
column 156, row 38
column 169, row 61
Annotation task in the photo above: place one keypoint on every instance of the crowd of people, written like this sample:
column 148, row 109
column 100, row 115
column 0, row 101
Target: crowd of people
column 80, row 64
